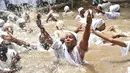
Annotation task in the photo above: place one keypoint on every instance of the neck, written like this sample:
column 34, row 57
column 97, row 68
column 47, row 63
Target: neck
column 70, row 49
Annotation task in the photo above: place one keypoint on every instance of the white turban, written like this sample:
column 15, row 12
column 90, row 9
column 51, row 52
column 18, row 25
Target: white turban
column 20, row 20
column 114, row 8
column 66, row 8
column 105, row 6
column 97, row 23
column 73, row 33
column 81, row 8
column 2, row 22
column 60, row 24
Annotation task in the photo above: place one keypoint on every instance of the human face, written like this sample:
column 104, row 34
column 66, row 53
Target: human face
column 102, row 27
column 70, row 41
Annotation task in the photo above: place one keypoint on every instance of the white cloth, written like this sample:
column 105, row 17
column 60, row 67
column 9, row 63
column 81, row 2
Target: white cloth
column 114, row 8
column 105, row 6
column 96, row 39
column 7, row 65
column 81, row 20
column 97, row 23
column 125, row 50
column 112, row 15
column 61, row 52
column 66, row 8
column 79, row 9
column 20, row 20
column 58, row 34
column 2, row 5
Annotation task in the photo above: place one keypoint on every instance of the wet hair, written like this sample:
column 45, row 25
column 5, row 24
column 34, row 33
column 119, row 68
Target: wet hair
column 3, row 51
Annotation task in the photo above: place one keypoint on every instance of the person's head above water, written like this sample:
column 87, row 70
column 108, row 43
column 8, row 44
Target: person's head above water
column 98, row 24
column 81, row 11
column 70, row 39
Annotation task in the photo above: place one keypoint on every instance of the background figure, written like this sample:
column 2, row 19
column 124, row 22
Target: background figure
column 96, row 2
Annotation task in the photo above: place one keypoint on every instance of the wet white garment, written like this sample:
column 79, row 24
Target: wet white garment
column 105, row 6
column 2, row 5
column 112, row 15
column 7, row 65
column 61, row 52
column 96, row 39
column 125, row 50
column 81, row 20
column 97, row 23
column 58, row 34
column 114, row 8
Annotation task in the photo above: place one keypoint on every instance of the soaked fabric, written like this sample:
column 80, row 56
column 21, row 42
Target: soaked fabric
column 112, row 15
column 61, row 52
column 95, row 39
column 114, row 8
column 125, row 50
column 105, row 6
column 97, row 23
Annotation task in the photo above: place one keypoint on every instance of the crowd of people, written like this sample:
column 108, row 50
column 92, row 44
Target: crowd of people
column 65, row 43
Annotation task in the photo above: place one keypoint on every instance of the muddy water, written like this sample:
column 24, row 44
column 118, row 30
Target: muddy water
column 101, row 59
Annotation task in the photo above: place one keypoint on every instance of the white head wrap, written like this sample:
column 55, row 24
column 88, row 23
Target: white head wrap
column 81, row 8
column 60, row 24
column 97, row 23
column 75, row 34
column 66, row 8
column 114, row 8
column 20, row 20
column 105, row 6
column 2, row 22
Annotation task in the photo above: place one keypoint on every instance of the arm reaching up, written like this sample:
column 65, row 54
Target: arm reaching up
column 84, row 41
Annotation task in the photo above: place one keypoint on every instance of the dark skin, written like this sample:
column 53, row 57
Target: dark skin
column 109, row 39
column 15, row 40
column 71, row 42
column 43, row 31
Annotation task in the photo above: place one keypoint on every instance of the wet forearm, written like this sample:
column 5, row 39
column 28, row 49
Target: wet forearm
column 19, row 42
column 86, row 32
column 114, row 41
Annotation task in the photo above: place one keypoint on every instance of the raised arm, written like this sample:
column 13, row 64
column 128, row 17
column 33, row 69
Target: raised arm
column 84, row 41
column 110, row 39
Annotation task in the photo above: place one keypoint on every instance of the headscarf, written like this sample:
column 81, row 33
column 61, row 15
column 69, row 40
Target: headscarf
column 79, row 10
column 97, row 23
column 66, row 8
column 73, row 33
column 114, row 8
